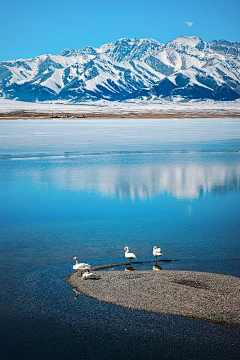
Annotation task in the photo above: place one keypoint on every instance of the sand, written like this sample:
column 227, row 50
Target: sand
column 15, row 115
column 204, row 296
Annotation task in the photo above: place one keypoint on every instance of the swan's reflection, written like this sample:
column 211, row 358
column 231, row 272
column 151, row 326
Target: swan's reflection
column 76, row 294
column 130, row 268
column 157, row 268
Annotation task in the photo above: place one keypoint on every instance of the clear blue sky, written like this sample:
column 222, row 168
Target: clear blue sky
column 33, row 27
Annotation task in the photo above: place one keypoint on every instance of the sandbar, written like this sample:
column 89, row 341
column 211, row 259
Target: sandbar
column 204, row 296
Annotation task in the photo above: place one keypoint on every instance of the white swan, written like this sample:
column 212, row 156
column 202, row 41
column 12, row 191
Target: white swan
column 91, row 276
column 156, row 252
column 80, row 266
column 129, row 255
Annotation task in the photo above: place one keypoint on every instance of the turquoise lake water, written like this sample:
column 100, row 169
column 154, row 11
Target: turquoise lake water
column 90, row 188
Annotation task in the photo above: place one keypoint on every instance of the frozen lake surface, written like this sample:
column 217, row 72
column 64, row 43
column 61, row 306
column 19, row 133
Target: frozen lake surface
column 61, row 136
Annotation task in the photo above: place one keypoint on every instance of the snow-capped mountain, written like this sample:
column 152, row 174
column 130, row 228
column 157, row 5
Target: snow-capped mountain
column 127, row 69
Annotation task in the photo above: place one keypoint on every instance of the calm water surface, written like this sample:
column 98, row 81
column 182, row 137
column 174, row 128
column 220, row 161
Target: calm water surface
column 88, row 189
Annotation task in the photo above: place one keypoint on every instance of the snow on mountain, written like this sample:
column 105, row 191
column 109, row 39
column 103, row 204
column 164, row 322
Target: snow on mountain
column 128, row 69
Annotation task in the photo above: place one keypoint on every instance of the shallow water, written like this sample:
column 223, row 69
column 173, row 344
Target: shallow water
column 90, row 188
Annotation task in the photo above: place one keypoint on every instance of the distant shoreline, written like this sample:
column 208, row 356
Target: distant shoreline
column 12, row 109
column 17, row 115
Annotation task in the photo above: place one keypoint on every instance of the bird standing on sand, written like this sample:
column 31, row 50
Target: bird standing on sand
column 80, row 266
column 156, row 252
column 129, row 255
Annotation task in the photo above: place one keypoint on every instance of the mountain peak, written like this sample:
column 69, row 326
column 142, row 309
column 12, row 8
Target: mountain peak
column 191, row 41
column 67, row 52
column 137, row 40
column 126, row 69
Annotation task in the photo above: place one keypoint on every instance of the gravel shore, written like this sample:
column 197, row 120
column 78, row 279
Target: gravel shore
column 204, row 296
column 16, row 115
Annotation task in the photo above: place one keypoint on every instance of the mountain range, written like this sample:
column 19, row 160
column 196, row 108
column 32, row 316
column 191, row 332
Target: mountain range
column 186, row 67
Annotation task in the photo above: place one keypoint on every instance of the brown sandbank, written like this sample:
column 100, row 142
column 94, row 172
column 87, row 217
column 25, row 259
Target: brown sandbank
column 131, row 115
column 208, row 297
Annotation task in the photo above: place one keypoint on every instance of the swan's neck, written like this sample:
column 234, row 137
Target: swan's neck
column 127, row 250
column 76, row 261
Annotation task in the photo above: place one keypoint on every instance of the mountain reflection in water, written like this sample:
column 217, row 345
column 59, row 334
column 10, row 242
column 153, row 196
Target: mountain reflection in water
column 187, row 181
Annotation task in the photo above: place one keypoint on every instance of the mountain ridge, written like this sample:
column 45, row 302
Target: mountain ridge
column 129, row 68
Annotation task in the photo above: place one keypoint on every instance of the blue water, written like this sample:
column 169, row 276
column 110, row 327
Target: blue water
column 88, row 189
